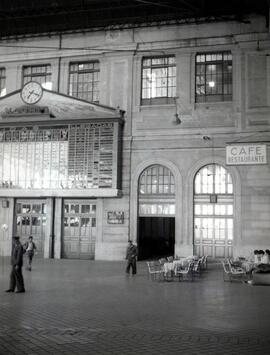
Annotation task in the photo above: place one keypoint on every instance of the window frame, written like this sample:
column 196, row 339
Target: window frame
column 158, row 99
column 85, row 71
column 33, row 76
column 215, row 97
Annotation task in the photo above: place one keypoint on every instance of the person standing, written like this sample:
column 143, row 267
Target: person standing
column 16, row 277
column 131, row 256
column 30, row 248
column 266, row 257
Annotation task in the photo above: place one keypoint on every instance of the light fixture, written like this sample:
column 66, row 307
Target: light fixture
column 211, row 84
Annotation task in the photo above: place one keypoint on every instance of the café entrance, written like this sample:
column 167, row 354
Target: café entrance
column 156, row 232
column 213, row 212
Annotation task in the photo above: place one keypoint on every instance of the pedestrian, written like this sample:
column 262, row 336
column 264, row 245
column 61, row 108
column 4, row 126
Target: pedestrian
column 131, row 256
column 16, row 277
column 30, row 248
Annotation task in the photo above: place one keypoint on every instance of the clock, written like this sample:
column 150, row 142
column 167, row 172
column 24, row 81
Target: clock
column 31, row 92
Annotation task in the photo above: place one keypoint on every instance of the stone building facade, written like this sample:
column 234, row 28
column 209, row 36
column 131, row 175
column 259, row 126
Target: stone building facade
column 158, row 134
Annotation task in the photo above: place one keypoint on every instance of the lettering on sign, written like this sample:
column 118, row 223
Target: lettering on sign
column 246, row 154
column 25, row 111
column 115, row 217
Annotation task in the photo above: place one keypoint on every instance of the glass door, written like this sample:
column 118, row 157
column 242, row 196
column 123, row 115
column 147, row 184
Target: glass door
column 79, row 227
column 31, row 220
column 213, row 212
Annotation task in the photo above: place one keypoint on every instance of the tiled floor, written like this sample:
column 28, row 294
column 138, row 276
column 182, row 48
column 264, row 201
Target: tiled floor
column 91, row 307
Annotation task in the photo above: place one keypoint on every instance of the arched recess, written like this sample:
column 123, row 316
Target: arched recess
column 134, row 200
column 235, row 200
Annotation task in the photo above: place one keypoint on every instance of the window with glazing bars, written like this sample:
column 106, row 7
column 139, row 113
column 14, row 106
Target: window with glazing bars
column 84, row 80
column 157, row 179
column 157, row 192
column 39, row 73
column 214, row 77
column 213, row 179
column 158, row 80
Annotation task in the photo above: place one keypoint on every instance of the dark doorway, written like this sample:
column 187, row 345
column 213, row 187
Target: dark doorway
column 156, row 237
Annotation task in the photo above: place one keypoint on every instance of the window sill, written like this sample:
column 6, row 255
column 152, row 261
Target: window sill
column 157, row 106
column 213, row 105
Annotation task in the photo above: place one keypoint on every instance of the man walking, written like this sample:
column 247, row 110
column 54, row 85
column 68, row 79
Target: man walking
column 131, row 257
column 16, row 277
column 30, row 248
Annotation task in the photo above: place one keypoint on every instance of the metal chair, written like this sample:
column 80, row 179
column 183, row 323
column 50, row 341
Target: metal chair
column 155, row 270
column 231, row 273
column 197, row 268
column 226, row 271
column 204, row 262
column 186, row 273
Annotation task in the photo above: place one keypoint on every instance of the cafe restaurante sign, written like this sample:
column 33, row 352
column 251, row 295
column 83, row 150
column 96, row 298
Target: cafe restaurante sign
column 243, row 154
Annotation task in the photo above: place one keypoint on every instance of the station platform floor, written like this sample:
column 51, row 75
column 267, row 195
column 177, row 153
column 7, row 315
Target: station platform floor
column 92, row 307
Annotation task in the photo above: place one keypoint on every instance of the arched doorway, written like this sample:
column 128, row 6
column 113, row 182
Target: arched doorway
column 213, row 212
column 156, row 221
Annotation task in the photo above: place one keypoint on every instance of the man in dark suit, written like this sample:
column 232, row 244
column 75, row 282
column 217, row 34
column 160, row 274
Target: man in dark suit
column 16, row 277
column 131, row 257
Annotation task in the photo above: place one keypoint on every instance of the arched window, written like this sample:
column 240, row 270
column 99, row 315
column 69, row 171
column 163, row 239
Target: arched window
column 213, row 179
column 213, row 211
column 156, row 191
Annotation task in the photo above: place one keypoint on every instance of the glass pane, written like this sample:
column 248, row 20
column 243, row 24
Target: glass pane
column 26, row 208
column 26, row 221
column 93, row 208
column 230, row 209
column 66, row 220
column 197, row 210
column 36, row 221
column 74, row 222
column 74, row 208
column 230, row 229
column 85, row 222
column 36, row 208
column 197, row 228
column 18, row 220
column 18, row 208
column 85, row 208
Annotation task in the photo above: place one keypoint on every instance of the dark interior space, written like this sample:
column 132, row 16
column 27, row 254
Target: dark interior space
column 156, row 237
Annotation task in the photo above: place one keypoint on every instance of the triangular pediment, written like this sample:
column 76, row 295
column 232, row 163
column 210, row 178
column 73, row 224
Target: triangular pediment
column 55, row 106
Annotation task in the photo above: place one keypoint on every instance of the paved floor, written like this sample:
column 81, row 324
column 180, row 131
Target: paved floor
column 91, row 307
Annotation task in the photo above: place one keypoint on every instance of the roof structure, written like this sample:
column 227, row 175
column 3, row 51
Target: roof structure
column 29, row 17
column 54, row 105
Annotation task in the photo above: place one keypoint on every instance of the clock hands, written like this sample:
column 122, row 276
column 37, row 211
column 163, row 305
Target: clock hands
column 31, row 93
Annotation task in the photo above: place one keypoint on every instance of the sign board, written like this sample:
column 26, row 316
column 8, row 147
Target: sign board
column 246, row 154
column 115, row 217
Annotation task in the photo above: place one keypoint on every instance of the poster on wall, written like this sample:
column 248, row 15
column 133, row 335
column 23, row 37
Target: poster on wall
column 115, row 217
column 246, row 154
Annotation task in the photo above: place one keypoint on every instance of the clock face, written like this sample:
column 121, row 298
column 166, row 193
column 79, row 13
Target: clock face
column 31, row 92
